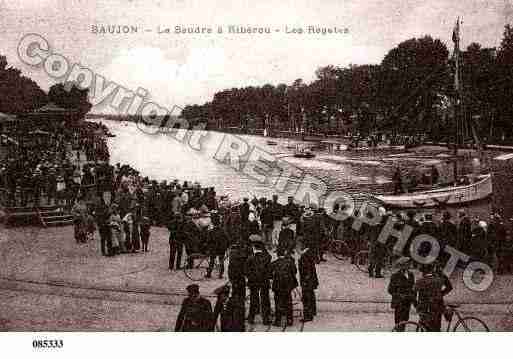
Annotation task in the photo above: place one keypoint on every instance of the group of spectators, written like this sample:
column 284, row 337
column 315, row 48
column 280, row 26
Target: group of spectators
column 489, row 241
column 42, row 167
column 251, row 266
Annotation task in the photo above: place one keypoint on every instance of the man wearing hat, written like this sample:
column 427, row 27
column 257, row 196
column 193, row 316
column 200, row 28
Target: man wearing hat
column 257, row 269
column 266, row 218
column 430, row 291
column 217, row 245
column 447, row 234
column 286, row 240
column 309, row 282
column 277, row 214
column 283, row 274
column 464, row 231
column 229, row 310
column 308, row 227
column 291, row 210
column 195, row 314
column 244, row 210
column 401, row 289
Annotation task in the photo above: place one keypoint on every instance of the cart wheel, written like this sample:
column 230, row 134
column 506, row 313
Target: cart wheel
column 361, row 261
column 470, row 324
column 199, row 267
column 409, row 326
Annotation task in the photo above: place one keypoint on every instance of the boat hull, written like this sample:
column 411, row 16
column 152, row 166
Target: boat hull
column 442, row 196
column 304, row 155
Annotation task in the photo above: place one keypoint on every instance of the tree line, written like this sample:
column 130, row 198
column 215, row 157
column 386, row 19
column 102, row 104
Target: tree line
column 20, row 94
column 409, row 92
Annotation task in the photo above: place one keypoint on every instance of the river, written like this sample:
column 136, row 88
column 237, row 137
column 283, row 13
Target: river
column 163, row 157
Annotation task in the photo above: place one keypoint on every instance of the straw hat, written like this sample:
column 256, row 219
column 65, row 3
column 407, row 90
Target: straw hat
column 401, row 262
column 255, row 238
column 308, row 213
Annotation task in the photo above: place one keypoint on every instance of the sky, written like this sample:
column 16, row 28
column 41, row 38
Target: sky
column 181, row 69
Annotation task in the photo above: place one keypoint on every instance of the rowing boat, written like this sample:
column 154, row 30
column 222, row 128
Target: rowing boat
column 453, row 195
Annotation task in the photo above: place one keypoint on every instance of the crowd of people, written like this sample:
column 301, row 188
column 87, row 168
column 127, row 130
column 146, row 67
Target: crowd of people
column 123, row 205
column 42, row 167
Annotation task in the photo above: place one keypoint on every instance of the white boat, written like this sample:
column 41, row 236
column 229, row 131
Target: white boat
column 301, row 152
column 454, row 195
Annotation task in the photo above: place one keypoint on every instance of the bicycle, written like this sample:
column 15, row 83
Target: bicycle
column 361, row 261
column 467, row 324
column 339, row 248
column 297, row 311
column 199, row 268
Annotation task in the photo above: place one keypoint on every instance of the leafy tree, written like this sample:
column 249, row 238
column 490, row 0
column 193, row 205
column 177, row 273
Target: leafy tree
column 414, row 74
column 18, row 93
column 70, row 96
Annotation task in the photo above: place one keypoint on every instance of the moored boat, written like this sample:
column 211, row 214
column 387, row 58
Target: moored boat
column 453, row 195
column 301, row 152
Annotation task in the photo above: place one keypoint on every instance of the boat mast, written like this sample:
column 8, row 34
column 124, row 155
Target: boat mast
column 457, row 95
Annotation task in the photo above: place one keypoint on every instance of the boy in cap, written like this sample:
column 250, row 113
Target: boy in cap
column 196, row 312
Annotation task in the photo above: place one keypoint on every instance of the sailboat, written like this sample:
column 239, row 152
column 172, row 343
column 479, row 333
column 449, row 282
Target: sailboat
column 448, row 195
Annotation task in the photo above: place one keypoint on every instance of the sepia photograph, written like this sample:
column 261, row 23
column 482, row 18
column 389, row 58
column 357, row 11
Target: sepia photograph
column 267, row 167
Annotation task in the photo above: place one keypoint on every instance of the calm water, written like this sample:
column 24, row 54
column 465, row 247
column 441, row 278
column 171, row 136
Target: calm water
column 163, row 157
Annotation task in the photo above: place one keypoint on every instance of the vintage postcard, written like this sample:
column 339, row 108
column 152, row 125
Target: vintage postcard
column 270, row 166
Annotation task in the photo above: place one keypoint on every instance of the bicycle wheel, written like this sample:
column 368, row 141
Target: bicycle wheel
column 409, row 326
column 199, row 267
column 388, row 264
column 361, row 261
column 510, row 309
column 470, row 324
column 340, row 250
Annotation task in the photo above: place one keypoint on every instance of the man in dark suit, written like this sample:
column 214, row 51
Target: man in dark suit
column 401, row 289
column 464, row 231
column 430, row 291
column 229, row 310
column 217, row 245
column 175, row 241
column 286, row 240
column 244, row 210
column 102, row 215
column 239, row 253
column 195, row 314
column 448, row 235
column 377, row 250
column 257, row 269
column 283, row 274
column 309, row 283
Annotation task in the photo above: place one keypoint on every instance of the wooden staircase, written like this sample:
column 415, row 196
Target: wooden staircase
column 44, row 216
column 21, row 216
column 54, row 216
